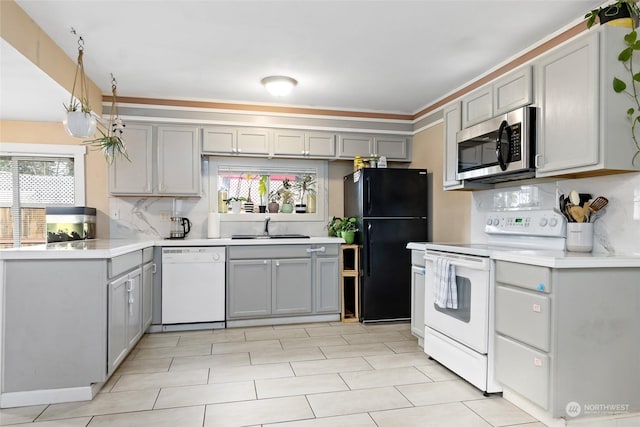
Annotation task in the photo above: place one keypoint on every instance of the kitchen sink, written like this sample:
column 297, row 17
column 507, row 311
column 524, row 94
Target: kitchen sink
column 269, row 236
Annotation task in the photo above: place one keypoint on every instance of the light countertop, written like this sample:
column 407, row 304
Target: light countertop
column 109, row 248
column 545, row 258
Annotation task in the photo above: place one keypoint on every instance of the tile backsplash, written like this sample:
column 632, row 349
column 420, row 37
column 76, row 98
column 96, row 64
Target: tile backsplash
column 616, row 231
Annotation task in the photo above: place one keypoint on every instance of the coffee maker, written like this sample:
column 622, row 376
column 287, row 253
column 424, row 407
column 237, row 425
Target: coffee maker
column 180, row 227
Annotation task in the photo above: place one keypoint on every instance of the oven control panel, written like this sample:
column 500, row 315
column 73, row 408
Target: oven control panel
column 530, row 223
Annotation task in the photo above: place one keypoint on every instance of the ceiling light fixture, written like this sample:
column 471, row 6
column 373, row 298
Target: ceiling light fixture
column 279, row 85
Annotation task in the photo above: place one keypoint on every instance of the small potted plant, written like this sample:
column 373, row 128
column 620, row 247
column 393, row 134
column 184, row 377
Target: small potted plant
column 274, row 202
column 334, row 227
column 287, row 196
column 627, row 11
column 262, row 191
column 349, row 228
column 304, row 186
column 80, row 122
column 236, row 203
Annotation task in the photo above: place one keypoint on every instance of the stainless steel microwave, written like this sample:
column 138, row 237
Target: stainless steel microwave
column 499, row 149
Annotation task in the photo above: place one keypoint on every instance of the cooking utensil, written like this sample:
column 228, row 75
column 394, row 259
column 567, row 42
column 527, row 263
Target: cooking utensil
column 567, row 209
column 587, row 211
column 598, row 203
column 562, row 203
column 574, row 197
column 577, row 213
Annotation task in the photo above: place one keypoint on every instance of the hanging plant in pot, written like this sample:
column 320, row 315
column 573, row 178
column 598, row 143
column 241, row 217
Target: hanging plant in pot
column 111, row 141
column 80, row 122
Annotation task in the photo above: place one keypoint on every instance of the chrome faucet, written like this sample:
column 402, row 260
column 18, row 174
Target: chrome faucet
column 266, row 226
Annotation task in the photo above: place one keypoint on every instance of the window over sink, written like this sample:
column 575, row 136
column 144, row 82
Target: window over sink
column 256, row 185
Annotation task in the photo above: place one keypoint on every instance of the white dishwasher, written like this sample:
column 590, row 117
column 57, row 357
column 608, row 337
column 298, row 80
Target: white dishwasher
column 193, row 285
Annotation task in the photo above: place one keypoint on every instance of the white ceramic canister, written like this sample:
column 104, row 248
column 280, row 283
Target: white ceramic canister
column 579, row 236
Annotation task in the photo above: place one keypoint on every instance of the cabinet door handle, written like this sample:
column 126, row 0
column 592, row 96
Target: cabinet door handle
column 264, row 262
column 129, row 285
column 277, row 263
column 536, row 160
column 320, row 249
column 154, row 268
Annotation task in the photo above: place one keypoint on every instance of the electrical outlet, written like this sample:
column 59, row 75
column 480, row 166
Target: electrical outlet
column 165, row 216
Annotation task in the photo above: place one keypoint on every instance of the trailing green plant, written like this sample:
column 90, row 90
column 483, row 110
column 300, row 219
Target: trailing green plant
column 235, row 199
column 74, row 105
column 334, row 226
column 626, row 56
column 286, row 192
column 275, row 196
column 349, row 224
column 111, row 143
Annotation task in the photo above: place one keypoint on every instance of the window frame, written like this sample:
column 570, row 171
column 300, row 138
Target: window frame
column 255, row 165
column 17, row 149
column 25, row 151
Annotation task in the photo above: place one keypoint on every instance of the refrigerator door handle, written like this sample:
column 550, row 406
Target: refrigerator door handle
column 368, row 184
column 368, row 251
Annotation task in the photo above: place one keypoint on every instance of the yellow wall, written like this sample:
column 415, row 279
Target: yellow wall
column 450, row 210
column 18, row 29
column 95, row 164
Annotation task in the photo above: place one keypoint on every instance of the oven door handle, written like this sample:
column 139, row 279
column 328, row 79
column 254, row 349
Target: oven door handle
column 474, row 263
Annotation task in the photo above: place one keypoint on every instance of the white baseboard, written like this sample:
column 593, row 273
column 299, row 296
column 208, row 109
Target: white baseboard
column 41, row 397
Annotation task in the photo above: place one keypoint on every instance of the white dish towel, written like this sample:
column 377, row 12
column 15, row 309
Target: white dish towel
column 446, row 292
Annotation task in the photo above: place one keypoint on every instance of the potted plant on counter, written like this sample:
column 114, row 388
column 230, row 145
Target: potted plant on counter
column 262, row 191
column 236, row 203
column 334, row 227
column 287, row 197
column 274, row 202
column 305, row 187
column 349, row 228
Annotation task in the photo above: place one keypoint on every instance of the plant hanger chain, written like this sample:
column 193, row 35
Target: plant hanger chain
column 84, row 95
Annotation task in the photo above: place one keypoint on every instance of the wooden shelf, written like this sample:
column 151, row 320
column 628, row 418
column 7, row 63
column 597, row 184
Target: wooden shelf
column 350, row 282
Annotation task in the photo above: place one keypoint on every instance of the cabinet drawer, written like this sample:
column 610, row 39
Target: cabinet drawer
column 329, row 250
column 524, row 316
column 147, row 255
column 268, row 251
column 527, row 276
column 417, row 258
column 123, row 263
column 524, row 370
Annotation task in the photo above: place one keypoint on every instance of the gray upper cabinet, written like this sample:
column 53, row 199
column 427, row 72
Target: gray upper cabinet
column 583, row 124
column 168, row 165
column 235, row 141
column 513, row 90
column 135, row 176
column 178, row 160
column 477, row 106
column 304, row 144
column 394, row 148
column 452, row 123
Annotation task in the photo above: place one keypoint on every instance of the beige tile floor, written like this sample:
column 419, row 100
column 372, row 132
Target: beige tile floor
column 311, row 375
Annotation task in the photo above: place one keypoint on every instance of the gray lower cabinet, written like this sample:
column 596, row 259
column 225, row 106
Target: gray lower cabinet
column 327, row 290
column 282, row 280
column 417, row 293
column 148, row 271
column 125, row 307
column 291, row 286
column 54, row 322
column 248, row 288
column 568, row 335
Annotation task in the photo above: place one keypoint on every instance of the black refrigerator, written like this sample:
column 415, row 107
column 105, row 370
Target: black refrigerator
column 392, row 208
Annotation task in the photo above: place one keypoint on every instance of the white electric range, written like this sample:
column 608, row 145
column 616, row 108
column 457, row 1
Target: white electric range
column 462, row 338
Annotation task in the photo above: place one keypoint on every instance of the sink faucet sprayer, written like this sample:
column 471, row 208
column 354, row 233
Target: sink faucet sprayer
column 266, row 226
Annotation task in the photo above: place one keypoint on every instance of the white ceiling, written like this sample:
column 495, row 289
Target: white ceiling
column 382, row 56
